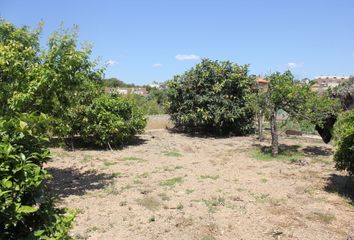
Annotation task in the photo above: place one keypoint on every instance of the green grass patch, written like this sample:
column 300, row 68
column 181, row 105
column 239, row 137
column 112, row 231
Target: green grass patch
column 172, row 153
column 326, row 218
column 263, row 198
column 136, row 159
column 108, row 163
column 116, row 174
column 213, row 177
column 172, row 182
column 213, row 203
column 189, row 191
column 86, row 159
column 283, row 155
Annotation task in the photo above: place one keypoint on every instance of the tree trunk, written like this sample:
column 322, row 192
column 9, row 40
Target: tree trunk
column 273, row 122
column 260, row 126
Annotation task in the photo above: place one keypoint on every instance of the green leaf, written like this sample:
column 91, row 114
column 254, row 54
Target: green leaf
column 26, row 209
column 23, row 125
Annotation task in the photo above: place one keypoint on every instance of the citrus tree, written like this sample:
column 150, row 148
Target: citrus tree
column 344, row 135
column 297, row 99
column 212, row 97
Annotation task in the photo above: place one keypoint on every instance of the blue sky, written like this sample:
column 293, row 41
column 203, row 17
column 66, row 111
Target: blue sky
column 152, row 40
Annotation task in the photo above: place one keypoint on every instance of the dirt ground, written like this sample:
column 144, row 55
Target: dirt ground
column 174, row 186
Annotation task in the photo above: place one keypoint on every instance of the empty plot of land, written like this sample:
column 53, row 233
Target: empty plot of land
column 174, row 186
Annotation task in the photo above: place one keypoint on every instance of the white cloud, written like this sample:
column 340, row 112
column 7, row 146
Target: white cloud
column 111, row 62
column 157, row 65
column 186, row 57
column 353, row 54
column 292, row 65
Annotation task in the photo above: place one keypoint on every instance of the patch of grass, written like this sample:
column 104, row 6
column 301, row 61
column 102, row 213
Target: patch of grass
column 137, row 159
column 171, row 169
column 149, row 203
column 213, row 177
column 263, row 198
column 144, row 175
column 266, row 155
column 326, row 218
column 173, row 153
column 189, row 191
column 172, row 182
column 111, row 189
column 179, row 206
column 137, row 181
column 116, row 174
column 208, row 238
column 264, row 180
column 213, row 203
column 108, row 163
column 92, row 229
column 86, row 159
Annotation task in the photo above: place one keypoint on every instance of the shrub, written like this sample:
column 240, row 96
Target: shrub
column 344, row 133
column 111, row 120
column 26, row 212
column 148, row 105
column 212, row 97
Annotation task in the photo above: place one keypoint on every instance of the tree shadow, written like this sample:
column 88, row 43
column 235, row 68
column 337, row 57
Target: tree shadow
column 70, row 181
column 77, row 143
column 202, row 133
column 343, row 185
column 283, row 148
column 317, row 151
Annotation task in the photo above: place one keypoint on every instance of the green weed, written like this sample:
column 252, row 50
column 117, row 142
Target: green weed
column 172, row 182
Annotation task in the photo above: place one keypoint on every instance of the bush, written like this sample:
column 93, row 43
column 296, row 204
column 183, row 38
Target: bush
column 26, row 212
column 212, row 97
column 111, row 120
column 344, row 133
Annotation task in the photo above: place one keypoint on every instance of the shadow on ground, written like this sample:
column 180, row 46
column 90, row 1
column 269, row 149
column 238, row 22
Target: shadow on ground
column 202, row 133
column 317, row 151
column 70, row 181
column 343, row 185
column 76, row 143
column 283, row 148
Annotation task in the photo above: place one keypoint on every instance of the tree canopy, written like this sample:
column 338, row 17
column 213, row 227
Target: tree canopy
column 212, row 97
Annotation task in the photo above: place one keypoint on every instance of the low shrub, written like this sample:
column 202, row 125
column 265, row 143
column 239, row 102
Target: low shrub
column 111, row 120
column 344, row 134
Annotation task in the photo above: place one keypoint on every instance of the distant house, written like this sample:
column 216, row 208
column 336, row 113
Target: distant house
column 140, row 91
column 157, row 85
column 125, row 91
column 322, row 83
column 262, row 82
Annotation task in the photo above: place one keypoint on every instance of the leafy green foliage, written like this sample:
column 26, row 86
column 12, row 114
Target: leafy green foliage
column 212, row 97
column 114, row 83
column 58, row 80
column 344, row 133
column 345, row 92
column 285, row 93
column 148, row 104
column 297, row 100
column 111, row 120
column 25, row 210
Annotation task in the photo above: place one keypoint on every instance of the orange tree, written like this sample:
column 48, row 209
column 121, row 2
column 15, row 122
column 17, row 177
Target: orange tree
column 212, row 97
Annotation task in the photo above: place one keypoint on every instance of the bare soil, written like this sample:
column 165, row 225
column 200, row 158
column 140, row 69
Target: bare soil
column 175, row 186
